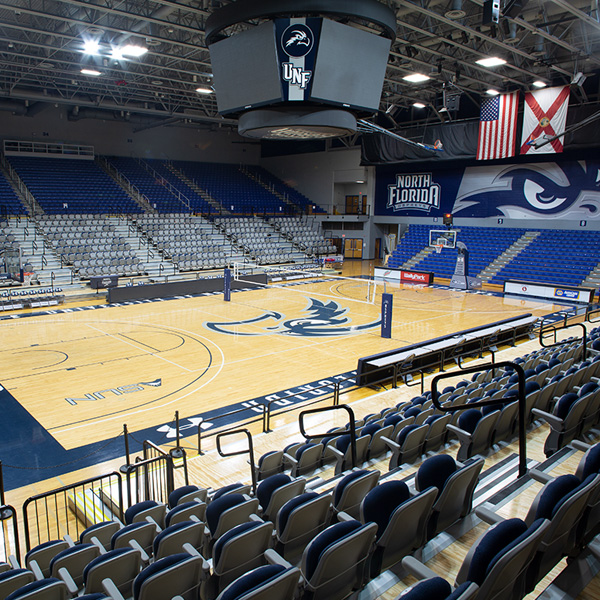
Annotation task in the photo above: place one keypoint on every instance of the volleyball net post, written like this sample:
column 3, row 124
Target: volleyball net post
column 227, row 285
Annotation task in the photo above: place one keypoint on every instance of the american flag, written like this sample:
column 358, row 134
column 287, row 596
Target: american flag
column 498, row 127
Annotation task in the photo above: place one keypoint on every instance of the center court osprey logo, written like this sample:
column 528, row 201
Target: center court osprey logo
column 297, row 40
column 322, row 320
column 550, row 190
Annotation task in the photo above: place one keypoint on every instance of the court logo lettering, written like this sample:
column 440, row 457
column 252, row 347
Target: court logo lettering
column 116, row 391
column 322, row 320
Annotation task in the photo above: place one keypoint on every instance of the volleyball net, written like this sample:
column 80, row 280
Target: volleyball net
column 300, row 278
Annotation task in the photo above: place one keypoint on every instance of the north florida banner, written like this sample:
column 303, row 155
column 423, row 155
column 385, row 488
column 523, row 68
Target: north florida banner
column 566, row 190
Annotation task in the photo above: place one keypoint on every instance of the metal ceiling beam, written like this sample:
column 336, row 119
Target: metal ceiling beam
column 456, row 25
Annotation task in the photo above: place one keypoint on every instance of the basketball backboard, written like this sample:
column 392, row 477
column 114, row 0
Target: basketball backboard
column 442, row 237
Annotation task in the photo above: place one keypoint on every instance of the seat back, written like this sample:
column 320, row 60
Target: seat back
column 142, row 533
column 351, row 489
column 333, row 564
column 44, row 553
column 238, row 551
column 102, row 532
column 228, row 511
column 13, row 579
column 280, row 496
column 308, row 459
column 171, row 539
column 401, row 521
column 377, row 446
column 456, row 498
column 562, row 501
column 184, row 511
column 299, row 521
column 269, row 464
column 436, row 588
column 270, row 582
column 120, row 566
column 505, row 425
column 498, row 560
column 411, row 441
column 482, row 436
column 44, row 589
column 74, row 560
column 175, row 575
column 436, row 434
column 141, row 511
column 186, row 493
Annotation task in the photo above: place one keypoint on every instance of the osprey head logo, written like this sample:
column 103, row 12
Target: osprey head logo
column 550, row 190
column 322, row 320
column 297, row 40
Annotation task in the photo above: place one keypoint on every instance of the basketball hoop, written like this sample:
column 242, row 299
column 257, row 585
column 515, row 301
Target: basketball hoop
column 438, row 248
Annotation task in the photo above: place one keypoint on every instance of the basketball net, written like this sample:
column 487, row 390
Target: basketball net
column 438, row 248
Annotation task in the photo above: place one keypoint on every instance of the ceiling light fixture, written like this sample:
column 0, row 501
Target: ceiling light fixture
column 492, row 92
column 419, row 105
column 133, row 50
column 492, row 61
column 204, row 90
column 539, row 84
column 91, row 47
column 416, row 77
column 92, row 72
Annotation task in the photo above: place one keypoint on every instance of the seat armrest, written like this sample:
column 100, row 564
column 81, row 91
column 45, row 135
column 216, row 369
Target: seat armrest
column 463, row 436
column 289, row 460
column 35, row 568
column 14, row 562
column 111, row 589
column 417, row 569
column 66, row 577
column 488, row 515
column 344, row 516
column 256, row 518
column 540, row 476
column 94, row 540
column 552, row 420
column 390, row 443
column 334, row 451
column 153, row 522
column 136, row 546
column 273, row 558
column 187, row 547
column 579, row 445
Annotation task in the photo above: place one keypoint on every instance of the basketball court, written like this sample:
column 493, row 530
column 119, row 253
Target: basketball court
column 81, row 373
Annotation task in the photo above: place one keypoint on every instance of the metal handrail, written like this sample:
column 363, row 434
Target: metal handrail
column 8, row 512
column 319, row 436
column 592, row 310
column 521, row 400
column 564, row 342
column 249, row 450
column 51, row 529
column 228, row 414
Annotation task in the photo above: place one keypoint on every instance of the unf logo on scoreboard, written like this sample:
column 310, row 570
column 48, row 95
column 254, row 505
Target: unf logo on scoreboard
column 296, row 48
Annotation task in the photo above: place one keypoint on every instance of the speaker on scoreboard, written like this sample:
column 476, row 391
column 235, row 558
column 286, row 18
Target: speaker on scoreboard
column 301, row 72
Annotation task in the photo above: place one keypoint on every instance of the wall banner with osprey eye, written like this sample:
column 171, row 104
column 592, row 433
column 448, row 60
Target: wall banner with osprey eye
column 566, row 190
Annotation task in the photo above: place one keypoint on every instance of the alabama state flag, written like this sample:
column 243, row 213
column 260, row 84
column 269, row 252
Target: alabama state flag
column 544, row 116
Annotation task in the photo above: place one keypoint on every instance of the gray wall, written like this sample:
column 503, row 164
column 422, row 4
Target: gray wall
column 202, row 143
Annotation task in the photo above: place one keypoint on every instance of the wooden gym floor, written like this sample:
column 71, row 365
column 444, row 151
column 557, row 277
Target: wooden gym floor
column 81, row 374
